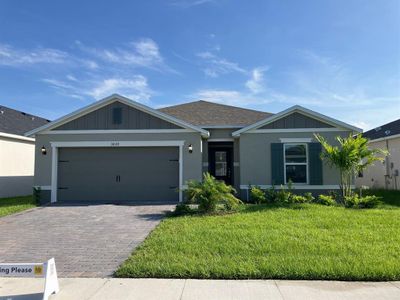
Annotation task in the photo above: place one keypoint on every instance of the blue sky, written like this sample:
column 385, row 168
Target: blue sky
column 340, row 58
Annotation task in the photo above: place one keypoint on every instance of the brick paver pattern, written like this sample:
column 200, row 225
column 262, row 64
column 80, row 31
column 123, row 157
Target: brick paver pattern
column 86, row 241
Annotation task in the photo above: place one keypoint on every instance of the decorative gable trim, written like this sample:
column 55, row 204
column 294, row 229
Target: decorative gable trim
column 111, row 99
column 338, row 125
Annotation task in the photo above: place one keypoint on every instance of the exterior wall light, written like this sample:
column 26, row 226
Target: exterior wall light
column 44, row 151
column 190, row 148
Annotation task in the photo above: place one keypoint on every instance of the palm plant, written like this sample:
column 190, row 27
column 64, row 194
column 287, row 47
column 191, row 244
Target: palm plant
column 211, row 192
column 351, row 157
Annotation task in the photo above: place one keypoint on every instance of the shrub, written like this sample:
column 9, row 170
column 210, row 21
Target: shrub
column 298, row 199
column 309, row 197
column 36, row 194
column 283, row 196
column 271, row 194
column 211, row 192
column 257, row 195
column 326, row 200
column 355, row 201
column 183, row 209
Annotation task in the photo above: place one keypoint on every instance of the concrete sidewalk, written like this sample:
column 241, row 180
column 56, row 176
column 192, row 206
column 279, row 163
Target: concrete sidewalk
column 177, row 289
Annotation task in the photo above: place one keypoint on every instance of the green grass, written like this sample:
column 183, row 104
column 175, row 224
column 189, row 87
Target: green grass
column 12, row 205
column 306, row 241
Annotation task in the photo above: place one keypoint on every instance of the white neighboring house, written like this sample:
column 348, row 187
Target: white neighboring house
column 17, row 152
column 383, row 174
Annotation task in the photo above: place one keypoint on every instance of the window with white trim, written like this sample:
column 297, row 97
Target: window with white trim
column 296, row 163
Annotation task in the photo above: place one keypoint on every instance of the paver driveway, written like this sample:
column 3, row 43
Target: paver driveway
column 86, row 241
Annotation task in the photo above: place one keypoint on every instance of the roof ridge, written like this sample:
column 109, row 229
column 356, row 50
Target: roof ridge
column 215, row 103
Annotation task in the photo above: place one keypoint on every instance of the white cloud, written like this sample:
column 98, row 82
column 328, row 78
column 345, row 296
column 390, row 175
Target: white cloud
column 141, row 53
column 214, row 66
column 71, row 77
column 189, row 3
column 256, row 83
column 57, row 83
column 229, row 97
column 10, row 56
column 135, row 88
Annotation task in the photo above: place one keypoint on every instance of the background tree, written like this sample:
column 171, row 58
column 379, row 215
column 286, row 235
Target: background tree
column 351, row 157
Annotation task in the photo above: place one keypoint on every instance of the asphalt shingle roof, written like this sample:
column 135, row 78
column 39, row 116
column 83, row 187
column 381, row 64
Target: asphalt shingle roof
column 388, row 129
column 17, row 122
column 203, row 113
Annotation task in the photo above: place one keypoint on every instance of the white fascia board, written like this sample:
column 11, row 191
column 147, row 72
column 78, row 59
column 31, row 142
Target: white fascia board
column 296, row 140
column 117, row 131
column 108, row 100
column 16, row 137
column 302, row 110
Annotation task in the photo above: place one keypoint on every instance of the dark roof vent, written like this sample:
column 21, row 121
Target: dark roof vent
column 387, row 132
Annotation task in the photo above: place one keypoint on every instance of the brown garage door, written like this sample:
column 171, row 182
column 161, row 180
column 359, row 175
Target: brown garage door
column 118, row 175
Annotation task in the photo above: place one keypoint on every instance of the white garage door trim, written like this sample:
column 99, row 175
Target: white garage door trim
column 115, row 144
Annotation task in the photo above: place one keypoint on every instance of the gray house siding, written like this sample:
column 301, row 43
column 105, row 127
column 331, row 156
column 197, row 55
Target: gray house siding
column 255, row 156
column 296, row 120
column 131, row 118
column 191, row 161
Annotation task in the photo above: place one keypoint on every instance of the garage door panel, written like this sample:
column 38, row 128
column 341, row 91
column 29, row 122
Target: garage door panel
column 118, row 174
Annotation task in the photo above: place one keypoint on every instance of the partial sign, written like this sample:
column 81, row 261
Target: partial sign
column 46, row 270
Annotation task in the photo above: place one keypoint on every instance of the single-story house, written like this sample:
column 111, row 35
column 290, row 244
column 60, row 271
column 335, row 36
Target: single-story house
column 383, row 174
column 118, row 150
column 16, row 152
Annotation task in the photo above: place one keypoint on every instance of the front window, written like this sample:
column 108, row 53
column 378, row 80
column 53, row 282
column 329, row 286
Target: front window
column 296, row 163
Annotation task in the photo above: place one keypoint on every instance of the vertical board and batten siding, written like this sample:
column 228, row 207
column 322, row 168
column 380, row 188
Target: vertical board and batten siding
column 131, row 118
column 296, row 120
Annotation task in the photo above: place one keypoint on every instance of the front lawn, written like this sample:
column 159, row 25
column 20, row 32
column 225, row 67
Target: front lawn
column 306, row 241
column 15, row 204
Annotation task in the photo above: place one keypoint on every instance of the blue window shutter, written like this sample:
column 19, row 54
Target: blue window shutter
column 315, row 163
column 277, row 163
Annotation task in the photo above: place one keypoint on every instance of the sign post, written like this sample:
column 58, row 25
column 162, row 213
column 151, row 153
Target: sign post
column 38, row 270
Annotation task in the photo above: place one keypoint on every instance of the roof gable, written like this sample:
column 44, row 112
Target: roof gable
column 131, row 118
column 17, row 122
column 109, row 100
column 296, row 120
column 322, row 120
column 209, row 114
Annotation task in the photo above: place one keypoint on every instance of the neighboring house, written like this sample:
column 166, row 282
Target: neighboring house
column 383, row 174
column 118, row 150
column 16, row 152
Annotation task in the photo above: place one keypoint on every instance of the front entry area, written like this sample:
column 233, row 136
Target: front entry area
column 118, row 175
column 220, row 161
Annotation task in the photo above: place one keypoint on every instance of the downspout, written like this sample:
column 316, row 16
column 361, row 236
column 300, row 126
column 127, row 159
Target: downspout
column 387, row 175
